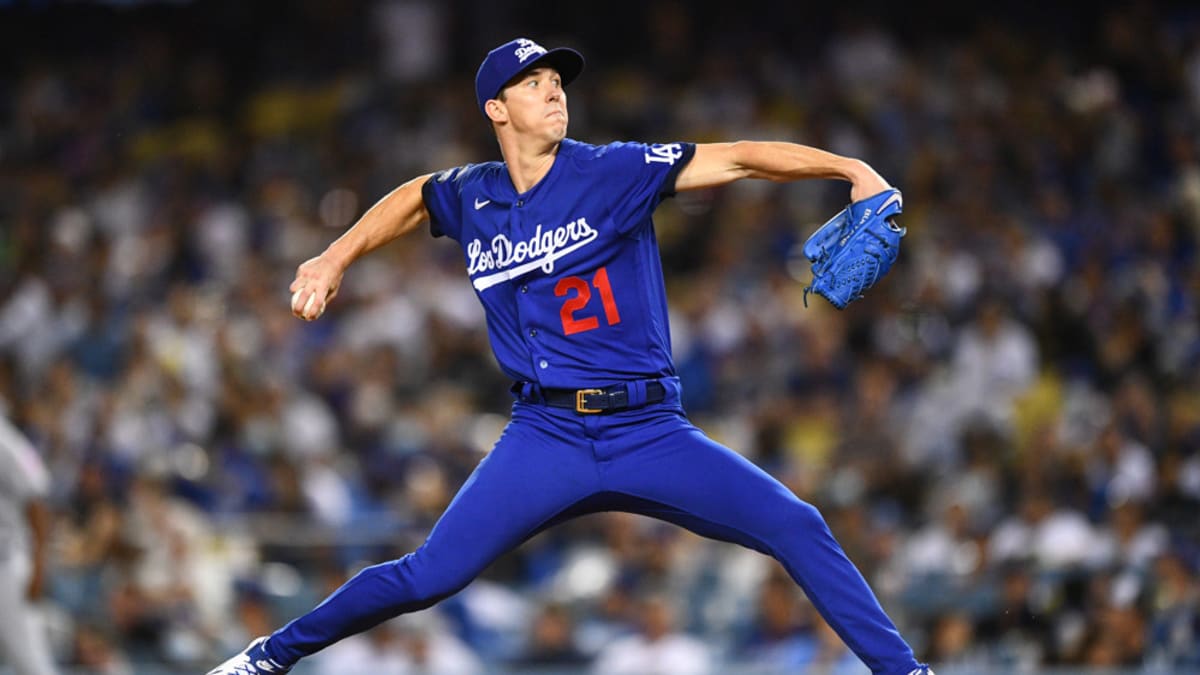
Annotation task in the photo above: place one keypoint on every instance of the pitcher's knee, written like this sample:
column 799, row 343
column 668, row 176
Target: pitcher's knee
column 803, row 517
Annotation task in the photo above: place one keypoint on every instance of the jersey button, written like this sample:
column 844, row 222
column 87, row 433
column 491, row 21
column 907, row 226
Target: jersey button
column 524, row 289
column 543, row 364
column 520, row 203
column 532, row 332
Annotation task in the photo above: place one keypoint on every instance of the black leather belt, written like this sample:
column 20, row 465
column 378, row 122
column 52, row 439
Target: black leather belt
column 592, row 401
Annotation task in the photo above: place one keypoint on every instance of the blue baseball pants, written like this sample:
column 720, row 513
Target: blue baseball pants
column 552, row 464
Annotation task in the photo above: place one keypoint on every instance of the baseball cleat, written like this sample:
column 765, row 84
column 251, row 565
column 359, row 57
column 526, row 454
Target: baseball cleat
column 252, row 661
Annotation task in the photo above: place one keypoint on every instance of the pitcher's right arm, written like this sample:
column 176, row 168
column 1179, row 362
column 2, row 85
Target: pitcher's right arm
column 317, row 279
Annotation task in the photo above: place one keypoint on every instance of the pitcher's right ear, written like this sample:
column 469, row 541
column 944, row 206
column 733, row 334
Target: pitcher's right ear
column 496, row 110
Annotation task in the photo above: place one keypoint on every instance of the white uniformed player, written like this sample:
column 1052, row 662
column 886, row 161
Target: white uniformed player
column 24, row 524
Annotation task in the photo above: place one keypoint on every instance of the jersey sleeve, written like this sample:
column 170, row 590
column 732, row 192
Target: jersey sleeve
column 643, row 175
column 442, row 195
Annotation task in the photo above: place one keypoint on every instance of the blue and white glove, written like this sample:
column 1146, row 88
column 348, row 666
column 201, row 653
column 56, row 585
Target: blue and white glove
column 855, row 249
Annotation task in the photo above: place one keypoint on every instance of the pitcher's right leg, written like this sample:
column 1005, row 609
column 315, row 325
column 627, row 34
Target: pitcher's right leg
column 538, row 469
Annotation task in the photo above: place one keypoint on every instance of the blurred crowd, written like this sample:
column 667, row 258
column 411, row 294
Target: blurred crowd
column 1004, row 435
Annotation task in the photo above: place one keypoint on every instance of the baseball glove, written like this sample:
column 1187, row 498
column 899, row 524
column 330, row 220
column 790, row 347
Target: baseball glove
column 855, row 249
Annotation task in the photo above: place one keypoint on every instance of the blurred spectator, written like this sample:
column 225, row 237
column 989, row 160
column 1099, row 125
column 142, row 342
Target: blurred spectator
column 1174, row 639
column 953, row 644
column 1053, row 537
column 1018, row 632
column 552, row 641
column 89, row 535
column 379, row 650
column 95, row 650
column 1121, row 469
column 782, row 635
column 994, row 360
column 1129, row 542
column 942, row 548
column 252, row 616
column 415, row 643
column 657, row 648
column 832, row 655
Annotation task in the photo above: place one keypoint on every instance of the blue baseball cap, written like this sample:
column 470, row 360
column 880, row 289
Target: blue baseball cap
column 512, row 58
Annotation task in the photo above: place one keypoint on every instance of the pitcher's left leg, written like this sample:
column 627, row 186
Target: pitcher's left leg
column 716, row 492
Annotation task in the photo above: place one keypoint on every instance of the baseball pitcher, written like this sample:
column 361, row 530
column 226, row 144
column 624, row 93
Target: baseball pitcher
column 560, row 248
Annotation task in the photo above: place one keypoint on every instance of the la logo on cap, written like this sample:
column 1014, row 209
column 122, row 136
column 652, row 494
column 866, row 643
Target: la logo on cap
column 527, row 48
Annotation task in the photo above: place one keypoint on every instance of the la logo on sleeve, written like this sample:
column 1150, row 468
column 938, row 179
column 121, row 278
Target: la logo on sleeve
column 667, row 153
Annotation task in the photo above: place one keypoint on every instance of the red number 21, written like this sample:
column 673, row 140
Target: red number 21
column 583, row 294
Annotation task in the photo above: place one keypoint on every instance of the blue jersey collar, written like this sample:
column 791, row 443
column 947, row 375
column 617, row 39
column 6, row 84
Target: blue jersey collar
column 508, row 192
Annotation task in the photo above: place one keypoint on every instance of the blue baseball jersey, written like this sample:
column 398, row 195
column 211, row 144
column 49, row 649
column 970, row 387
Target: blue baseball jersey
column 568, row 272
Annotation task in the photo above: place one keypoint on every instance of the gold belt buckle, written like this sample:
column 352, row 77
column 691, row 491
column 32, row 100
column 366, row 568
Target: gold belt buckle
column 579, row 394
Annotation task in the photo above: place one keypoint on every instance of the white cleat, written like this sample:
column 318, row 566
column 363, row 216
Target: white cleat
column 252, row 661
